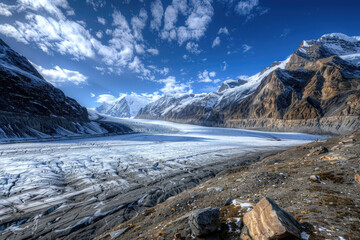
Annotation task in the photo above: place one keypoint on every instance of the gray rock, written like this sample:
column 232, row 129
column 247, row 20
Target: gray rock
column 204, row 221
column 228, row 202
column 315, row 178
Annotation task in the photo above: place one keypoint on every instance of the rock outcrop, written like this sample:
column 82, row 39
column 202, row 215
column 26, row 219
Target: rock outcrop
column 357, row 178
column 204, row 221
column 268, row 221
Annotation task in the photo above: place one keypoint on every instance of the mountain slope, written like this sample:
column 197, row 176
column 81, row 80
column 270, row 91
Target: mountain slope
column 30, row 107
column 24, row 90
column 317, row 89
column 125, row 107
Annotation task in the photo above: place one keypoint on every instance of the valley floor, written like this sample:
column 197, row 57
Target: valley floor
column 77, row 189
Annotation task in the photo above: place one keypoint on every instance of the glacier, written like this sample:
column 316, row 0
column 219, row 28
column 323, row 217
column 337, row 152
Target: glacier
column 56, row 188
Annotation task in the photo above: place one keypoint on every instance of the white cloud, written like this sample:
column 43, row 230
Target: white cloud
column 105, row 98
column 46, row 26
column 59, row 76
column 193, row 47
column 174, row 87
column 163, row 71
column 52, row 7
column 11, row 31
column 198, row 15
column 96, row 3
column 224, row 66
column 223, row 30
column 6, row 10
column 101, row 20
column 153, row 51
column 49, row 34
column 157, row 11
column 99, row 34
column 206, row 76
column 92, row 95
column 138, row 23
column 246, row 48
column 216, row 42
column 244, row 7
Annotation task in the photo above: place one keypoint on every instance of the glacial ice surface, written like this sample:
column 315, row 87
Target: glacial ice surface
column 46, row 177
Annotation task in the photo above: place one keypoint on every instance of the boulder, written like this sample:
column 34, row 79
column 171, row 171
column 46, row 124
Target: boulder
column 268, row 221
column 315, row 178
column 357, row 178
column 204, row 221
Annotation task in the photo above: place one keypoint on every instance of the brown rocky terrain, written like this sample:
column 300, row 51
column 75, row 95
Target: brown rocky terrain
column 317, row 183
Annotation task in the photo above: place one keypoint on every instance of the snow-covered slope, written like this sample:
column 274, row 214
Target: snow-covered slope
column 126, row 106
column 346, row 47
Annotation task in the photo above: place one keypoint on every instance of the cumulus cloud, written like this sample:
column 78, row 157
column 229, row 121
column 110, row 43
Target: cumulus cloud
column 246, row 48
column 198, row 14
column 157, row 12
column 244, row 7
column 105, row 98
column 216, row 42
column 46, row 25
column 174, row 87
column 101, row 20
column 51, row 7
column 193, row 47
column 11, row 31
column 138, row 23
column 223, row 30
column 153, row 51
column 99, row 34
column 206, row 76
column 60, row 76
column 96, row 3
column 6, row 10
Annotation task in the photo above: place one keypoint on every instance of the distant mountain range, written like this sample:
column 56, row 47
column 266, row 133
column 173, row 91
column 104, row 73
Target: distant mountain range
column 126, row 106
column 317, row 89
column 30, row 107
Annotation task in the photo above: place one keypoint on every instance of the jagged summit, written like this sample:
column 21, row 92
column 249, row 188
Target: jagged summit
column 347, row 48
column 126, row 106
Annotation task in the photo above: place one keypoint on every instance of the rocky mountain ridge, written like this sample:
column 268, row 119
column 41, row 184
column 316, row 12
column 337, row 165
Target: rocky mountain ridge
column 30, row 107
column 317, row 89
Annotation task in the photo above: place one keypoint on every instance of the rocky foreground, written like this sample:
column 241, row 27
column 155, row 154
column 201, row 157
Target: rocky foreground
column 311, row 191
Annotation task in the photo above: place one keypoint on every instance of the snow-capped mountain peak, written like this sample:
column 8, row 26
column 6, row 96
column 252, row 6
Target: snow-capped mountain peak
column 126, row 106
column 346, row 47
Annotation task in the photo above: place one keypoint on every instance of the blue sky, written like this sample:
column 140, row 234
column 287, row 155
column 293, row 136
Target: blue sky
column 97, row 50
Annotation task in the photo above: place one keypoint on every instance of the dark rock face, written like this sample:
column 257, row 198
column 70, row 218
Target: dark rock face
column 314, row 86
column 23, row 90
column 204, row 221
